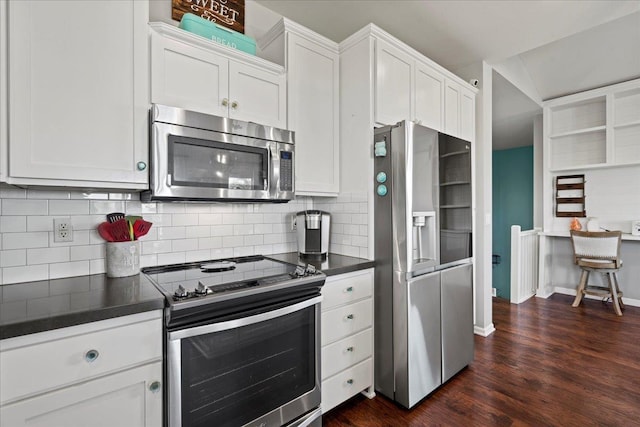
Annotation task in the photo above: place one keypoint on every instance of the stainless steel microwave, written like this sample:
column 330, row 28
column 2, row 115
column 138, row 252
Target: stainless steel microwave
column 199, row 157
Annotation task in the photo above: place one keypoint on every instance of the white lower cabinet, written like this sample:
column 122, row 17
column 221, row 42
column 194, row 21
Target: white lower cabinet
column 347, row 337
column 122, row 399
column 105, row 373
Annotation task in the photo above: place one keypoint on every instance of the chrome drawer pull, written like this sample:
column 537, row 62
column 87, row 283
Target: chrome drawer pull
column 350, row 381
column 91, row 355
column 235, row 104
column 225, row 102
column 349, row 289
column 154, row 387
column 350, row 349
column 349, row 317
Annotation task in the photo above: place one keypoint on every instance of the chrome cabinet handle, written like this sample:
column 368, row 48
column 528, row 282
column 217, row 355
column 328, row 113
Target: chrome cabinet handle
column 349, row 317
column 350, row 381
column 350, row 349
column 91, row 355
column 141, row 166
column 225, row 102
column 235, row 104
column 154, row 387
column 349, row 289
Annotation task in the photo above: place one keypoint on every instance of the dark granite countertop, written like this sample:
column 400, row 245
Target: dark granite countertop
column 333, row 265
column 31, row 307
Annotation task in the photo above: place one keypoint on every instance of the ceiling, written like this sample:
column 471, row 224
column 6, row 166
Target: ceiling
column 564, row 46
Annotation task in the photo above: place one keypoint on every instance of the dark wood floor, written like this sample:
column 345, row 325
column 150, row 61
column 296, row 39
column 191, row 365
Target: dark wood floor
column 547, row 364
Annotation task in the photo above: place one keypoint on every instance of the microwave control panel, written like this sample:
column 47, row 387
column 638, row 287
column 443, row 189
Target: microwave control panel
column 286, row 171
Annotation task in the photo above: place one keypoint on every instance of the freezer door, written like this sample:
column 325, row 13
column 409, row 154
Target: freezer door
column 423, row 370
column 457, row 319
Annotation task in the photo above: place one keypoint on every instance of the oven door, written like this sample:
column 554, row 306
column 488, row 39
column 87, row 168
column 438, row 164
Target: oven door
column 260, row 370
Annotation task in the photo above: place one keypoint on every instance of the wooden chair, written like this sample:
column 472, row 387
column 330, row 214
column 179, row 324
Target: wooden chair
column 598, row 252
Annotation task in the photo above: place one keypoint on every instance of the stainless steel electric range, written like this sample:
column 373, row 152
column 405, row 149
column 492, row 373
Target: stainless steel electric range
column 242, row 342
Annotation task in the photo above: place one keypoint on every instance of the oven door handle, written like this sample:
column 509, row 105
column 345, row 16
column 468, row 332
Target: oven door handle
column 237, row 323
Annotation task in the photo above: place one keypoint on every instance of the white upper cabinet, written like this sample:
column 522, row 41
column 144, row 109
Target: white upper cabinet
column 191, row 72
column 394, row 84
column 410, row 87
column 312, row 100
column 78, row 93
column 429, row 92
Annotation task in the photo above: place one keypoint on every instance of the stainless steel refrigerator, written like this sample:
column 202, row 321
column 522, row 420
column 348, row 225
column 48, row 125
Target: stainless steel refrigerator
column 423, row 277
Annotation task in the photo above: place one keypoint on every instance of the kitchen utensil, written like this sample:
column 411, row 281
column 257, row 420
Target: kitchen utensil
column 140, row 228
column 114, row 216
column 104, row 229
column 131, row 219
column 120, row 230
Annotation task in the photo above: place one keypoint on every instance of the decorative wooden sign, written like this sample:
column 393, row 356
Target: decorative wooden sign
column 228, row 13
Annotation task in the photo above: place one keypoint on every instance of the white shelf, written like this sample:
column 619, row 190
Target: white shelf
column 625, row 125
column 579, row 132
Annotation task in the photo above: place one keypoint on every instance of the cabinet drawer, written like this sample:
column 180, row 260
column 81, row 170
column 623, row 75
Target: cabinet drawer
column 346, row 384
column 65, row 360
column 343, row 321
column 346, row 288
column 344, row 353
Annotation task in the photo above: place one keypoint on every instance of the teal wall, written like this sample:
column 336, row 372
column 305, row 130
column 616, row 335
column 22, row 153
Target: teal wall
column 512, row 205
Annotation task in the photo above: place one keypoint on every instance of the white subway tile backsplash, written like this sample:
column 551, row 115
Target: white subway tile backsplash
column 183, row 245
column 47, row 255
column 181, row 232
column 13, row 224
column 242, row 230
column 25, row 274
column 24, row 207
column 210, row 219
column 168, row 233
column 69, row 269
column 13, row 258
column 24, row 240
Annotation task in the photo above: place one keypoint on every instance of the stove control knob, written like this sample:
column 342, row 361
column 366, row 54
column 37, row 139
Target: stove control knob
column 299, row 271
column 310, row 270
column 181, row 292
column 201, row 289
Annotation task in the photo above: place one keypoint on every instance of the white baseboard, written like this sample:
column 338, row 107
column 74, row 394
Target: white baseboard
column 484, row 332
column 569, row 291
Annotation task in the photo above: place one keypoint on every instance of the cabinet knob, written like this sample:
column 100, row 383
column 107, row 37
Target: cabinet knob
column 350, row 349
column 91, row 355
column 141, row 166
column 350, row 381
column 225, row 102
column 235, row 104
column 349, row 289
column 349, row 317
column 154, row 387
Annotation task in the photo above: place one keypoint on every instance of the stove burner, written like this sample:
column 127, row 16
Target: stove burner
column 215, row 267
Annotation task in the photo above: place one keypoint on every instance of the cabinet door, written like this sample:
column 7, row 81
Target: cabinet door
column 429, row 93
column 257, row 95
column 130, row 398
column 452, row 108
column 468, row 115
column 188, row 77
column 78, row 92
column 394, row 85
column 313, row 115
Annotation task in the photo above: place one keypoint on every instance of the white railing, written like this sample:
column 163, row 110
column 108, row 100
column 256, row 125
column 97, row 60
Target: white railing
column 524, row 263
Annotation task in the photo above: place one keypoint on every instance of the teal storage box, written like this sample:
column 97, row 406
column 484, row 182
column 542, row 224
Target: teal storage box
column 217, row 33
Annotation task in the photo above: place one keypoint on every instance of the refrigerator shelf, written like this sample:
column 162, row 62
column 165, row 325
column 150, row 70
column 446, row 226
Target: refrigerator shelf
column 454, row 206
column 446, row 184
column 455, row 153
column 459, row 231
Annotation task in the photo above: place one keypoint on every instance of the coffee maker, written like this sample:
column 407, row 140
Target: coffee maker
column 313, row 234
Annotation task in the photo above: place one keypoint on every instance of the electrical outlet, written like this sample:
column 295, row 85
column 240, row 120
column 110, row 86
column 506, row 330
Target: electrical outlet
column 293, row 222
column 494, row 293
column 62, row 230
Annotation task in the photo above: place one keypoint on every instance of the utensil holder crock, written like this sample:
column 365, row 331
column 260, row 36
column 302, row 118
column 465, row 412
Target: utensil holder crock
column 123, row 258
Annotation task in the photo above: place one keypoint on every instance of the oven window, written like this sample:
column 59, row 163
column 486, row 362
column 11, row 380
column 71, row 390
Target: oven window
column 232, row 377
column 213, row 164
